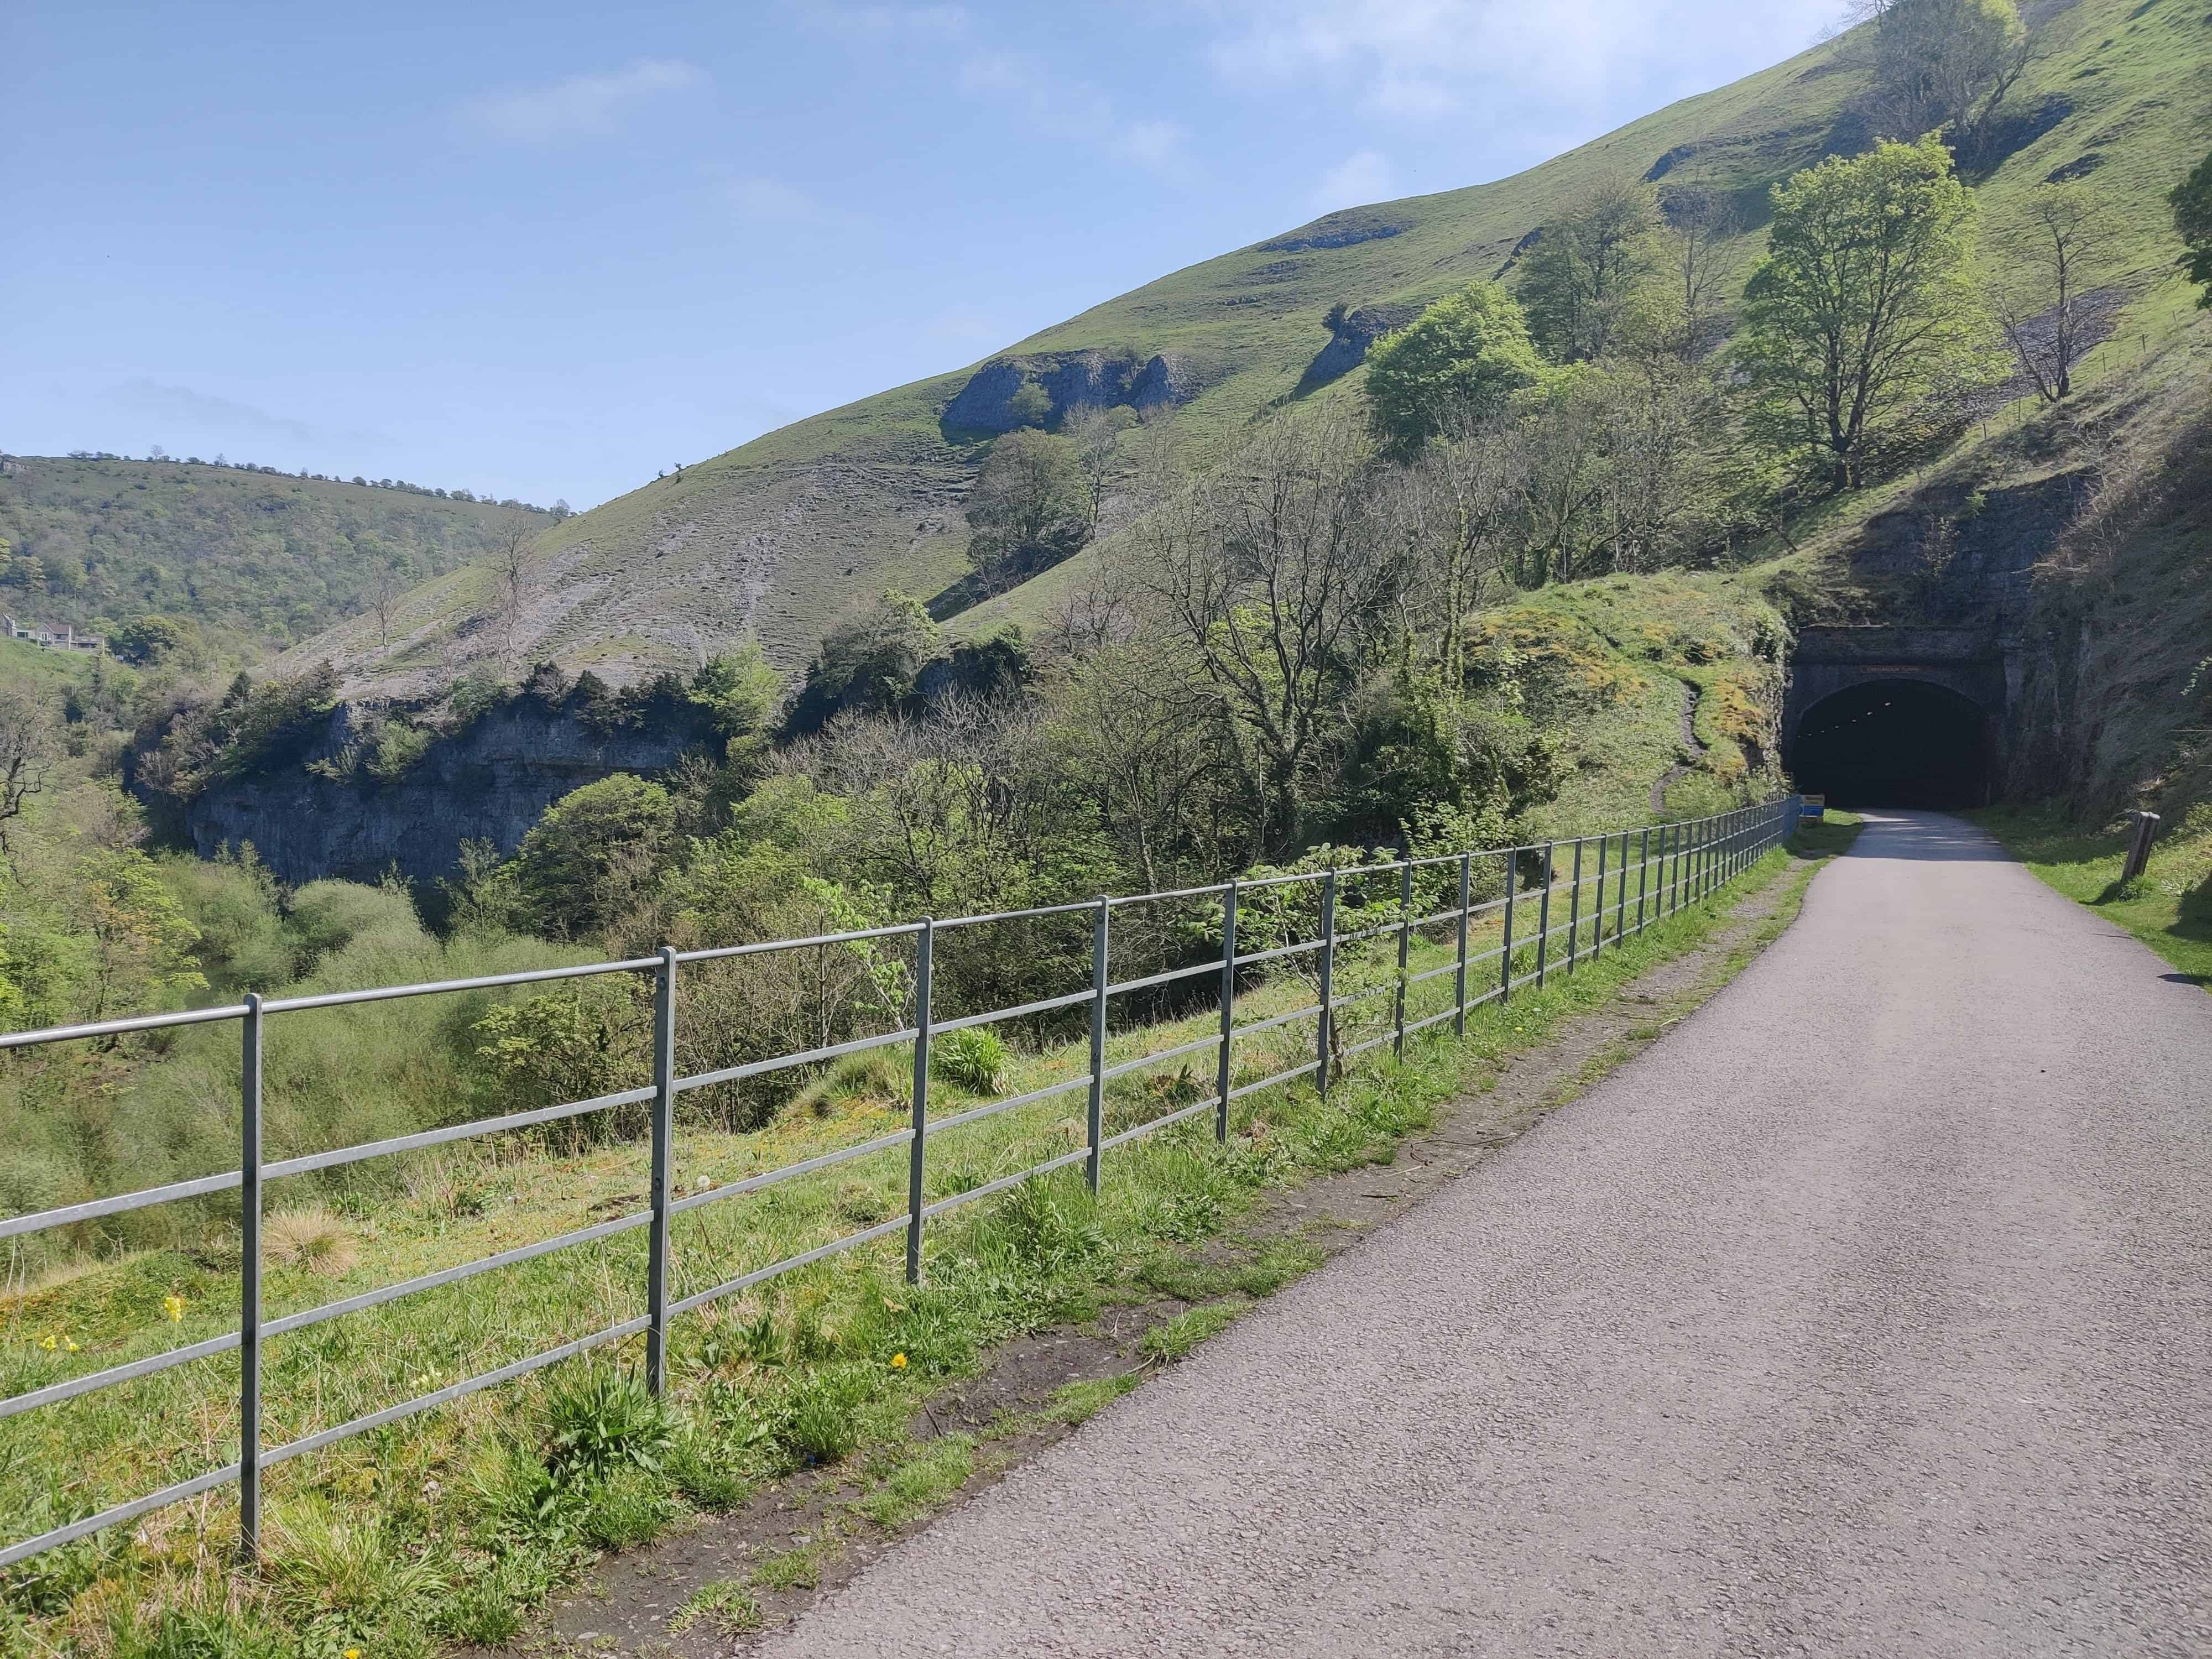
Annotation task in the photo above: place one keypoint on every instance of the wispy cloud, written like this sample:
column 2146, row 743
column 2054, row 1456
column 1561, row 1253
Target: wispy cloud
column 1358, row 180
column 1075, row 109
column 582, row 106
column 1434, row 59
column 199, row 417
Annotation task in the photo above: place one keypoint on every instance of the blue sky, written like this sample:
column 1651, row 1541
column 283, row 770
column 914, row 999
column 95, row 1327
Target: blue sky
column 548, row 251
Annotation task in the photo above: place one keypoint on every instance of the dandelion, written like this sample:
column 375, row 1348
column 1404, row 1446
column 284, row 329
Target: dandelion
column 49, row 1342
column 353, row 1653
column 173, row 1305
column 70, row 1345
column 898, row 1362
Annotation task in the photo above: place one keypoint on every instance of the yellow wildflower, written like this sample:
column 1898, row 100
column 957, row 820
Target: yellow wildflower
column 71, row 1345
column 49, row 1342
column 353, row 1653
column 898, row 1362
column 174, row 1307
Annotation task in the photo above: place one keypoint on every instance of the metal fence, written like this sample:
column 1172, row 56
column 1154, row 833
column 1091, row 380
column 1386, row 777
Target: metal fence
column 1589, row 877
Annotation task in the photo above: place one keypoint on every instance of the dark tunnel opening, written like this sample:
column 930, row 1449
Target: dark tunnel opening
column 1894, row 743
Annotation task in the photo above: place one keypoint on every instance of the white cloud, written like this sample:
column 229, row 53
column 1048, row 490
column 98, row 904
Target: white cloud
column 1432, row 60
column 1355, row 181
column 582, row 105
column 1074, row 110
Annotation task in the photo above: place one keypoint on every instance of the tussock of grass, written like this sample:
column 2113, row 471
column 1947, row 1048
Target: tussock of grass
column 312, row 1238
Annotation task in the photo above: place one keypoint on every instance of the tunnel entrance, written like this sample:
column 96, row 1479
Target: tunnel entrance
column 1894, row 743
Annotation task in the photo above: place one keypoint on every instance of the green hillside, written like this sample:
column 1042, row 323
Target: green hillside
column 774, row 538
column 257, row 560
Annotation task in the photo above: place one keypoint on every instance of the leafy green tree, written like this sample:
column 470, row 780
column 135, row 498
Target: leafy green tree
column 2192, row 217
column 871, row 660
column 1864, row 303
column 738, row 689
column 1029, row 493
column 593, row 850
column 1578, row 276
column 1943, row 64
column 1462, row 358
column 148, row 639
column 141, row 941
column 1030, row 404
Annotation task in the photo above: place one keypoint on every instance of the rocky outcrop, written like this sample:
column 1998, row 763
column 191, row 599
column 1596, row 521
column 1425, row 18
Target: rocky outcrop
column 1350, row 335
column 491, row 781
column 1069, row 379
column 1346, row 228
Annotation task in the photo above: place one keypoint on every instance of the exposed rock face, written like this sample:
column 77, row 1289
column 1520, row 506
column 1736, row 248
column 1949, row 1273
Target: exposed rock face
column 1350, row 335
column 1070, row 379
column 1340, row 230
column 489, row 782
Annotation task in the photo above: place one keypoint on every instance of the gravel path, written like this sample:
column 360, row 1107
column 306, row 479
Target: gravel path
column 1868, row 1313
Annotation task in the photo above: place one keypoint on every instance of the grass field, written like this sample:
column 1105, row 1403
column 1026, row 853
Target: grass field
column 2168, row 908
column 449, row 1525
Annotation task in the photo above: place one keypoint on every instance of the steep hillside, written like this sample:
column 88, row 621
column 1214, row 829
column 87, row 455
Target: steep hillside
column 259, row 560
column 774, row 538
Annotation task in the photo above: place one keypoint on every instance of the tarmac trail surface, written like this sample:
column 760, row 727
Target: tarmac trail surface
column 1867, row 1313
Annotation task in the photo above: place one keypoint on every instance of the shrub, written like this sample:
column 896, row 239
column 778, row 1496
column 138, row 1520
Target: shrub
column 973, row 1059
column 822, row 1424
column 602, row 1419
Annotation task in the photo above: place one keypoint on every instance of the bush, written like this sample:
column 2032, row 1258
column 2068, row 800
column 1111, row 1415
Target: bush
column 591, row 850
column 600, row 1420
column 973, row 1059
column 823, row 1423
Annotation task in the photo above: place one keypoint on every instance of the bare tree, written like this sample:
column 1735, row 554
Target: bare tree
column 30, row 744
column 1278, row 572
column 1688, row 249
column 1455, row 512
column 390, row 575
column 2044, row 322
column 1096, row 435
column 511, row 579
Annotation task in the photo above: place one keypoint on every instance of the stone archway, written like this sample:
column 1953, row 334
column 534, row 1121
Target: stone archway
column 1895, row 742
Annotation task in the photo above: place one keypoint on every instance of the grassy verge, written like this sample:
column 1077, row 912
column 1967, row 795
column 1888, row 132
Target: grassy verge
column 449, row 1526
column 2169, row 907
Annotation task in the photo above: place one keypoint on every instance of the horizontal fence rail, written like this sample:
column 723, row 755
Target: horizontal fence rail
column 1583, row 905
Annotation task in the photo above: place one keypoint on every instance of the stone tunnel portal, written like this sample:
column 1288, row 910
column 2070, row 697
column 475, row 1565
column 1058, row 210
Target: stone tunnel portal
column 1895, row 742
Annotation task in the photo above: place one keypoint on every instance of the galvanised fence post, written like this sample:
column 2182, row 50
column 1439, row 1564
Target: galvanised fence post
column 1405, row 944
column 925, row 944
column 249, row 1280
column 1597, row 916
column 1506, row 957
column 1643, row 876
column 1095, row 1118
column 1574, row 906
column 1544, row 916
column 1459, row 979
column 663, row 1171
column 1327, row 972
column 1228, row 1010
